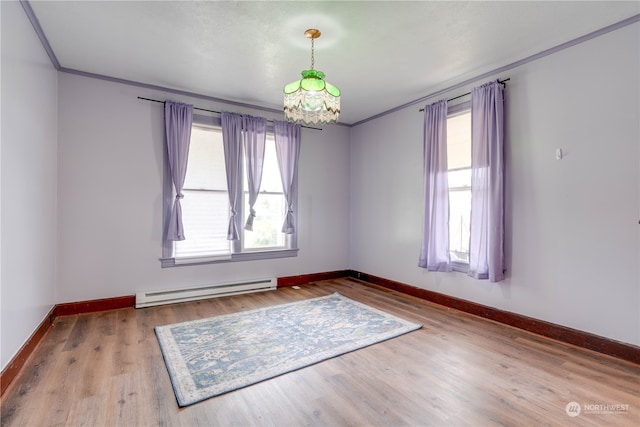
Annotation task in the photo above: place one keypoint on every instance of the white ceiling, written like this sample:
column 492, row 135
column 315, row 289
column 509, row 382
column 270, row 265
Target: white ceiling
column 381, row 54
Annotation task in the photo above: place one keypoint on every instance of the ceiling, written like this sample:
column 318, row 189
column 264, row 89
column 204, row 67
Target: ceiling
column 381, row 54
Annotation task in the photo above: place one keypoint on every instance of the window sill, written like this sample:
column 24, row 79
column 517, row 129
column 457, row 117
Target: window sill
column 460, row 267
column 237, row 257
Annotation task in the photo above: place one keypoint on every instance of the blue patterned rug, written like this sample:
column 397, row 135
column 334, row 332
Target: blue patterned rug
column 209, row 357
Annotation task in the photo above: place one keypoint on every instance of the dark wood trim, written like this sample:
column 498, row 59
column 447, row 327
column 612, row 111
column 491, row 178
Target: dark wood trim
column 575, row 337
column 565, row 334
column 15, row 365
column 65, row 309
column 308, row 278
column 93, row 306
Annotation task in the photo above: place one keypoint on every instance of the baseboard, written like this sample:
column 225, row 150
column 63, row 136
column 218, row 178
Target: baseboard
column 9, row 373
column 15, row 365
column 309, row 278
column 94, row 306
column 575, row 337
column 565, row 334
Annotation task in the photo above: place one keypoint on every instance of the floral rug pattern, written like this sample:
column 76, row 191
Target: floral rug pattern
column 209, row 357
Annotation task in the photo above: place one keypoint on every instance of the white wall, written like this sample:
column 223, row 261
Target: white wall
column 110, row 189
column 573, row 246
column 28, row 177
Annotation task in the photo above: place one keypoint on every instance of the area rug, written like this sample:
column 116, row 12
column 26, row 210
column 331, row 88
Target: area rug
column 209, row 357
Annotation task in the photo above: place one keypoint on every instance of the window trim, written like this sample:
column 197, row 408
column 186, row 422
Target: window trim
column 168, row 260
column 235, row 257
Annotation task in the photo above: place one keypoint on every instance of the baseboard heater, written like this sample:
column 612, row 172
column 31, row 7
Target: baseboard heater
column 148, row 299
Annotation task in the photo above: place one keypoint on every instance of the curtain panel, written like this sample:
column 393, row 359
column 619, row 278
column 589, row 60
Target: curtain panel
column 287, row 140
column 255, row 134
column 232, row 142
column 434, row 254
column 178, row 119
column 486, row 244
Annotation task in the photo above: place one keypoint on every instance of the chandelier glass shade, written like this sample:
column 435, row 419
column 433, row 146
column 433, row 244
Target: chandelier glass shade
column 311, row 100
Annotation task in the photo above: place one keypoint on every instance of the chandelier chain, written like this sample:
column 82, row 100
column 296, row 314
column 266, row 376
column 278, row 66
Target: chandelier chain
column 312, row 55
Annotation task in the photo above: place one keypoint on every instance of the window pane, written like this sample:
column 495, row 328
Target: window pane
column 270, row 206
column 205, row 217
column 271, row 181
column 460, row 178
column 206, row 170
column 267, row 225
column 459, row 220
column 205, row 207
column 459, row 141
column 459, row 164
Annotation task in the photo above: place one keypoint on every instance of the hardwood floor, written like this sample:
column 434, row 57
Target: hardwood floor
column 106, row 369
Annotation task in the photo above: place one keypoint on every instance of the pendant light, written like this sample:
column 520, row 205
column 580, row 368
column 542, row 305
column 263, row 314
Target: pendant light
column 311, row 100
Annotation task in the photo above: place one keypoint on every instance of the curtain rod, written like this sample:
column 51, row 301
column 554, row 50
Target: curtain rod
column 216, row 112
column 502, row 82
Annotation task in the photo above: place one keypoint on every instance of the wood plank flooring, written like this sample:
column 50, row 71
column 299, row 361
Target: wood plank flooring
column 106, row 369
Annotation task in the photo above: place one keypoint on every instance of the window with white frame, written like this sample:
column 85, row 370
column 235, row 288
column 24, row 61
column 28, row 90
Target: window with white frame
column 270, row 206
column 459, row 175
column 205, row 207
column 206, row 211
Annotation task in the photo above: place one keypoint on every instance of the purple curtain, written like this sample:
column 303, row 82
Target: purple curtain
column 177, row 122
column 434, row 254
column 232, row 141
column 486, row 244
column 255, row 133
column 287, row 139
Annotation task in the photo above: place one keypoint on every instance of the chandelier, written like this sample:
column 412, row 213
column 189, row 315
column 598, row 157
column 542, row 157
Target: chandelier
column 311, row 100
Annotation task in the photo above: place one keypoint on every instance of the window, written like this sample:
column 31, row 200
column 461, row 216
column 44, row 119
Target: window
column 270, row 206
column 459, row 176
column 206, row 211
column 463, row 205
column 205, row 207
